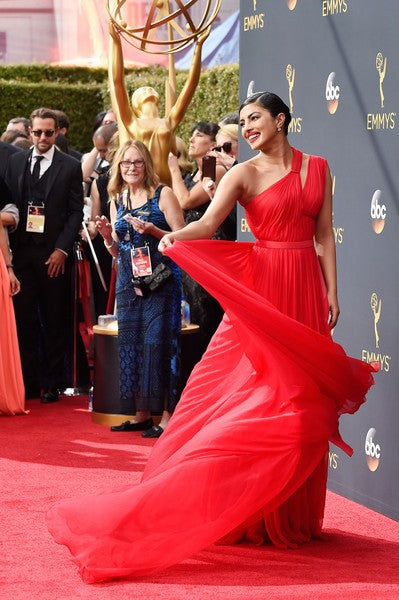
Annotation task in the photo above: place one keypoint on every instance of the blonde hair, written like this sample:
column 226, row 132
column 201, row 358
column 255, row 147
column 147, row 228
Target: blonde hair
column 117, row 185
column 185, row 164
column 231, row 129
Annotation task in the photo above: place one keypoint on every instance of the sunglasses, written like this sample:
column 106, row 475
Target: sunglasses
column 47, row 132
column 226, row 147
column 126, row 164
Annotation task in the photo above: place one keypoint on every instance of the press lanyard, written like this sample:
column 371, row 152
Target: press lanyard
column 141, row 256
column 35, row 217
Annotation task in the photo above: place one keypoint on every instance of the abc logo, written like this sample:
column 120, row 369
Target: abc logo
column 372, row 450
column 332, row 94
column 378, row 212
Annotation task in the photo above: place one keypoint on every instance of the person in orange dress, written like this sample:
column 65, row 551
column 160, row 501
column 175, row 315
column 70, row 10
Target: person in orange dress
column 12, row 391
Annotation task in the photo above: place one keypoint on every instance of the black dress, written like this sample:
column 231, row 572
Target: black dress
column 104, row 257
column 205, row 311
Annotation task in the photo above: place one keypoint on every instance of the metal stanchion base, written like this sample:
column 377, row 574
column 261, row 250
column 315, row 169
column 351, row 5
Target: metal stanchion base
column 77, row 391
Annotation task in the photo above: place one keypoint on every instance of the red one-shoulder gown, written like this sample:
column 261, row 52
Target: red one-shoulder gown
column 245, row 454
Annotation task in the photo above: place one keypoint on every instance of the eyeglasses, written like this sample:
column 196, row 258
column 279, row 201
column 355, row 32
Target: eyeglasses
column 226, row 147
column 137, row 164
column 47, row 132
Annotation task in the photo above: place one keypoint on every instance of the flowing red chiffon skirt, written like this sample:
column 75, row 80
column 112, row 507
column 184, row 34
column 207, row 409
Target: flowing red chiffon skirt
column 245, row 454
column 12, row 391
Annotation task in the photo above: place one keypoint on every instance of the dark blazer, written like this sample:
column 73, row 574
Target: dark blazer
column 63, row 199
column 6, row 150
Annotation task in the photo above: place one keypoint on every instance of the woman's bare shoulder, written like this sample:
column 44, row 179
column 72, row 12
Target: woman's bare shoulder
column 244, row 169
column 166, row 195
column 242, row 178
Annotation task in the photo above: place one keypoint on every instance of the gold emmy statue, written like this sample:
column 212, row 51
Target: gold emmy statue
column 140, row 120
column 290, row 75
column 381, row 66
column 375, row 304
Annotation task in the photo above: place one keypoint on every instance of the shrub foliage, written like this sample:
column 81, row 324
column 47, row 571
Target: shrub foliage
column 83, row 92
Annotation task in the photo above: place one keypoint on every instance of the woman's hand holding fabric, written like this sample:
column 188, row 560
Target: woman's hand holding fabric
column 166, row 242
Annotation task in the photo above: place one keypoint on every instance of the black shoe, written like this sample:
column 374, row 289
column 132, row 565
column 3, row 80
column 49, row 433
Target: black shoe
column 50, row 395
column 128, row 426
column 154, row 432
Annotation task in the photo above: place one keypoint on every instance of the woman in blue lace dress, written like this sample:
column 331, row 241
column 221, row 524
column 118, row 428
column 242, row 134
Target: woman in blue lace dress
column 148, row 325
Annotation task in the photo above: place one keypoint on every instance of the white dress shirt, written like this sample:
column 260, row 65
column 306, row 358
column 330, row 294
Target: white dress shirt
column 45, row 163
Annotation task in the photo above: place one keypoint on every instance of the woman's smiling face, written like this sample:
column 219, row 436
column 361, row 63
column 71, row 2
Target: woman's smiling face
column 134, row 175
column 258, row 126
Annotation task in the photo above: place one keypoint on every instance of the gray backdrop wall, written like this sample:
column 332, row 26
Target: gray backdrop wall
column 336, row 64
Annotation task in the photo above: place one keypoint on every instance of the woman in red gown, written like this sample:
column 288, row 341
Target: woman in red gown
column 245, row 454
column 12, row 391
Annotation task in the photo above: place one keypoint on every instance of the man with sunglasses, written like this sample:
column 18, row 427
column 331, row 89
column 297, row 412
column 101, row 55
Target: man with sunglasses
column 46, row 186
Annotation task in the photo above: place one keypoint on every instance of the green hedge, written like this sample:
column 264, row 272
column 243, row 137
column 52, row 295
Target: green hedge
column 36, row 73
column 80, row 102
column 82, row 92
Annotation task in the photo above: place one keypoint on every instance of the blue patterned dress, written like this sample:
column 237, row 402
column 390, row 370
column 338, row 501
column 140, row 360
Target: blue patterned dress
column 148, row 328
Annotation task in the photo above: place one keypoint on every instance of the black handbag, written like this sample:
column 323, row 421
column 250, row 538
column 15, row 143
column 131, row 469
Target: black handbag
column 151, row 283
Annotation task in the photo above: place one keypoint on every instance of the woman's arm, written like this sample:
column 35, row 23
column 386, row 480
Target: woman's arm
column 196, row 196
column 169, row 205
column 88, row 163
column 229, row 190
column 226, row 160
column 325, row 248
column 106, row 229
column 178, row 186
column 14, row 283
column 9, row 216
column 209, row 187
column 95, row 209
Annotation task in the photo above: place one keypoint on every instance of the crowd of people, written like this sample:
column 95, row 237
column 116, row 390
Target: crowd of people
column 47, row 188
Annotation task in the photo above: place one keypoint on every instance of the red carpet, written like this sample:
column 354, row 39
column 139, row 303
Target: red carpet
column 57, row 452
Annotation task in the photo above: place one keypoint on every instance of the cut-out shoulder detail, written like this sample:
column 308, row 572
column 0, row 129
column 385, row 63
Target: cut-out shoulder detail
column 304, row 171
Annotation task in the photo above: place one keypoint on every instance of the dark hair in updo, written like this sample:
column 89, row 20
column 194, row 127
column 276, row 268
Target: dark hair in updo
column 208, row 128
column 272, row 103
